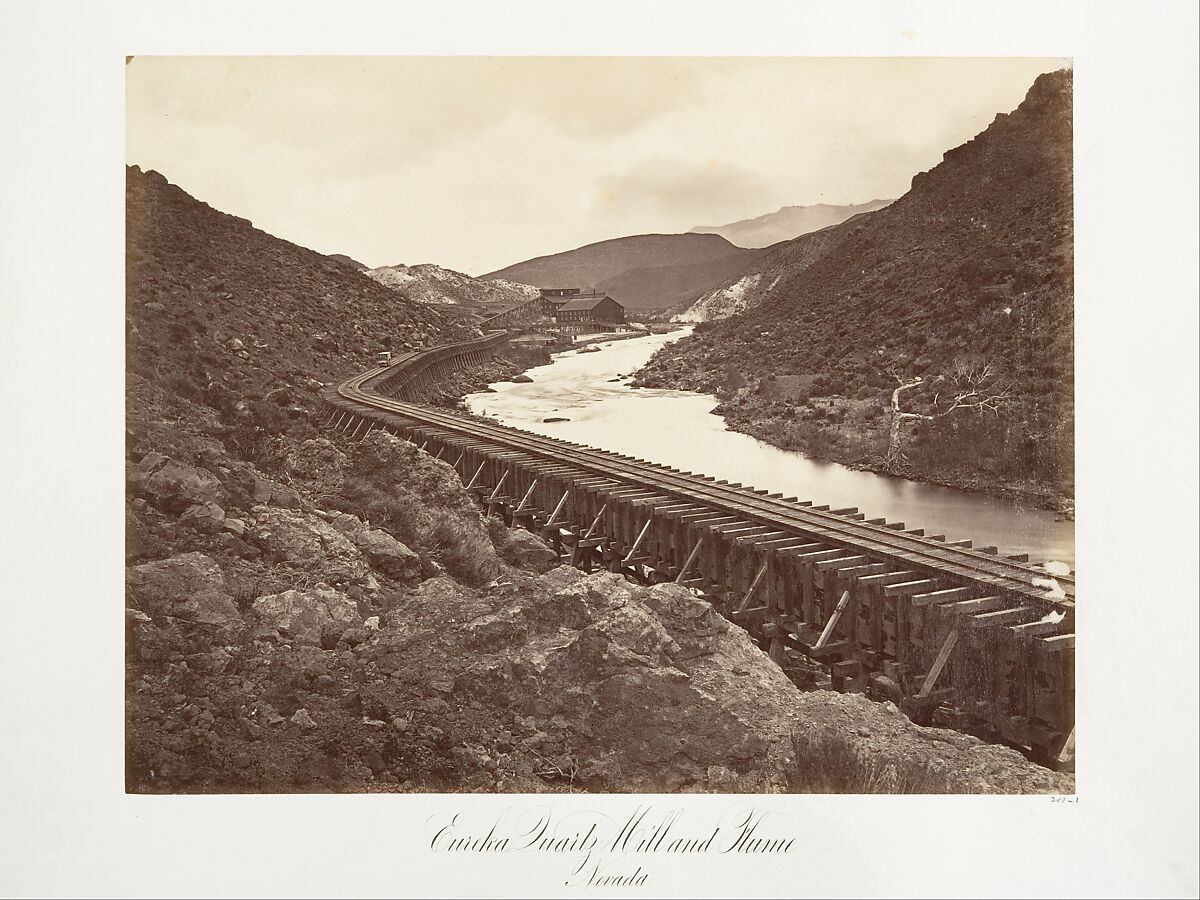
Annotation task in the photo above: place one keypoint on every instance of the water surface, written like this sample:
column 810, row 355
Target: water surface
column 678, row 429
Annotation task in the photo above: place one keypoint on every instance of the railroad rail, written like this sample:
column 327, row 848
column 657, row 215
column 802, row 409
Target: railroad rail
column 962, row 635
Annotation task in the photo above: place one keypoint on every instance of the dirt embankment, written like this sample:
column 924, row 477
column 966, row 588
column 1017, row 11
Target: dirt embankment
column 346, row 621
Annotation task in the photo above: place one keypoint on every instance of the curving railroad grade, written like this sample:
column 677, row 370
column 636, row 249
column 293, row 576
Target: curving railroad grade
column 967, row 636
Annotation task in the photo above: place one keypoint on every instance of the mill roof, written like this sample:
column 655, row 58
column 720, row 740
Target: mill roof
column 582, row 303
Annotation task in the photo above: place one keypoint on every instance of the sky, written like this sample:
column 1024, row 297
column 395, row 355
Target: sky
column 475, row 163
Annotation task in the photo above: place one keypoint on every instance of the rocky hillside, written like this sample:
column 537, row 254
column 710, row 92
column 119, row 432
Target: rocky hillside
column 350, row 261
column 434, row 285
column 787, row 223
column 962, row 288
column 646, row 271
column 225, row 314
column 756, row 283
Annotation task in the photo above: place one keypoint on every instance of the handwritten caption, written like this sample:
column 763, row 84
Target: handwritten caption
column 604, row 851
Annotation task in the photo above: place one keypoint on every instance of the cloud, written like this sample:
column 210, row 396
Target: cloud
column 474, row 162
column 684, row 193
column 604, row 97
column 360, row 114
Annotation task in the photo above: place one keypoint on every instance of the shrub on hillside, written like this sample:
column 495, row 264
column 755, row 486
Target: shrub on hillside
column 458, row 548
column 397, row 514
column 832, row 763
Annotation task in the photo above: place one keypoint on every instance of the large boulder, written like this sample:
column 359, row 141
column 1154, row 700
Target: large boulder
column 317, row 616
column 560, row 660
column 383, row 552
column 526, row 550
column 306, row 542
column 317, row 461
column 248, row 487
column 207, row 517
column 189, row 586
column 173, row 485
column 388, row 555
column 413, row 477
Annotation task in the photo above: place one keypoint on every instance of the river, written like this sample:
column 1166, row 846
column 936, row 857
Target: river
column 677, row 428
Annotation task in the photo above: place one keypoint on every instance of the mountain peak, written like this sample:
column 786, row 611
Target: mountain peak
column 787, row 223
column 642, row 271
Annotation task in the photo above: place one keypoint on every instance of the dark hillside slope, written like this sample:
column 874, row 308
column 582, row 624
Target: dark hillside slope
column 972, row 267
column 756, row 282
column 658, row 287
column 223, row 313
column 645, row 271
column 348, row 260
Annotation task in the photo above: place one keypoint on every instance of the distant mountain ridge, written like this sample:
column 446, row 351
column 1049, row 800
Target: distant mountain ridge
column 645, row 271
column 787, row 222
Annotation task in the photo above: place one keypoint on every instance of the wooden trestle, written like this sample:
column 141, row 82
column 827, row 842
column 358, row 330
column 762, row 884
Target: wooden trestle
column 929, row 624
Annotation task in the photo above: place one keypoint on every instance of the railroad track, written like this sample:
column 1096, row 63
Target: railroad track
column 882, row 605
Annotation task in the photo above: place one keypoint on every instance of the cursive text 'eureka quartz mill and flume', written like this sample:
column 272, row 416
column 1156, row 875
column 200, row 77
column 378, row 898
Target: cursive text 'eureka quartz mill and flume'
column 587, row 837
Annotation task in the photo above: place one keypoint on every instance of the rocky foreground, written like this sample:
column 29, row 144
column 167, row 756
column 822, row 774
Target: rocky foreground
column 349, row 622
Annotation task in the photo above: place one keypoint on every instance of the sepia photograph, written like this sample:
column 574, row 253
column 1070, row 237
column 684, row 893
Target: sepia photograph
column 615, row 457
column 779, row 504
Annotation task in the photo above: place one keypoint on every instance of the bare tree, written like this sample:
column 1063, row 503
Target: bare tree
column 965, row 387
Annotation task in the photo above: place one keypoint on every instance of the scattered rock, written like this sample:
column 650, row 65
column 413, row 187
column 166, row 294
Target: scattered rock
column 317, row 460
column 315, row 616
column 280, row 396
column 303, row 719
column 207, row 517
column 388, row 555
column 285, row 496
column 174, row 486
column 306, row 542
column 247, row 486
column 189, row 586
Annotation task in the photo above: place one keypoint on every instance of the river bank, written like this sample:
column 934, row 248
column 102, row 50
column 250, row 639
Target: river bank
column 860, row 443
column 807, row 415
column 588, row 398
